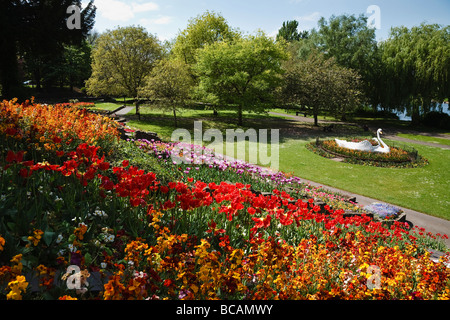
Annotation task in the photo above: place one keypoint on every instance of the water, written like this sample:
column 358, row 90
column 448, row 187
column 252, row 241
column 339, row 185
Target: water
column 404, row 117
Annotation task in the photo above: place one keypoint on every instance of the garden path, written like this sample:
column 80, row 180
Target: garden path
column 430, row 223
column 124, row 111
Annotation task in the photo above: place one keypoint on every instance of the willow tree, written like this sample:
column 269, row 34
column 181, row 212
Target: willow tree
column 417, row 66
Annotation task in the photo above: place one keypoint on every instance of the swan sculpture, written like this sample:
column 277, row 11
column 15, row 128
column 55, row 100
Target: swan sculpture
column 365, row 145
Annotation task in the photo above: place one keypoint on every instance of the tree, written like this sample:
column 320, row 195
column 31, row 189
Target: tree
column 353, row 44
column 169, row 85
column 37, row 31
column 321, row 84
column 417, row 66
column 121, row 59
column 289, row 32
column 243, row 73
column 205, row 29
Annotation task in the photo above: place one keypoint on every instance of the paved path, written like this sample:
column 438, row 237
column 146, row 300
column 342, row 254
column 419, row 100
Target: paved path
column 124, row 111
column 425, row 143
column 430, row 223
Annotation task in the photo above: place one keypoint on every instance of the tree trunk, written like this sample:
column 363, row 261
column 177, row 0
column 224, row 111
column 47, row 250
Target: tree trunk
column 175, row 117
column 415, row 114
column 240, row 115
column 138, row 113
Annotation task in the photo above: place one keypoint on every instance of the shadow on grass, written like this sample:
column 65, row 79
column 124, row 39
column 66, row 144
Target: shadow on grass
column 288, row 128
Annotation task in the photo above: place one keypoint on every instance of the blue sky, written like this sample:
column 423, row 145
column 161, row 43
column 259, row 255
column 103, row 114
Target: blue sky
column 165, row 18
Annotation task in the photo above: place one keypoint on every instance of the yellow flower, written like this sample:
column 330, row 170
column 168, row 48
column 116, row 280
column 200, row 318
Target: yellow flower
column 17, row 269
column 17, row 286
column 66, row 297
column 36, row 237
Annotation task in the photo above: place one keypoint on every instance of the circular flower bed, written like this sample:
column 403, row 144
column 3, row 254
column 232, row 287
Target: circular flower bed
column 397, row 157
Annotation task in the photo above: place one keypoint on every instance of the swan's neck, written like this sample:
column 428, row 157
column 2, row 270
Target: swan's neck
column 381, row 141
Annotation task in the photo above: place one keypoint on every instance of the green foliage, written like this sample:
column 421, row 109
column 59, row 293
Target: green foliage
column 243, row 73
column 321, row 84
column 169, row 85
column 289, row 32
column 417, row 64
column 353, row 44
column 122, row 58
column 205, row 29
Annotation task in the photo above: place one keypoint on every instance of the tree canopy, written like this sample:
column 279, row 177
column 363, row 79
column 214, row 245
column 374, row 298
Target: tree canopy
column 416, row 68
column 169, row 85
column 289, row 32
column 122, row 58
column 202, row 30
column 353, row 44
column 243, row 72
column 320, row 84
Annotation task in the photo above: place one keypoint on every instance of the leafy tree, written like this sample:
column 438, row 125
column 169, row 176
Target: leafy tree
column 121, row 59
column 243, row 73
column 353, row 44
column 417, row 66
column 321, row 84
column 205, row 29
column 169, row 85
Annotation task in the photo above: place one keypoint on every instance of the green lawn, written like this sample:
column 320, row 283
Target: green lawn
column 422, row 189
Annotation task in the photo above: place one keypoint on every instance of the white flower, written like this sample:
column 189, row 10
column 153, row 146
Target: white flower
column 109, row 238
column 100, row 213
column 103, row 265
column 59, row 239
column 72, row 248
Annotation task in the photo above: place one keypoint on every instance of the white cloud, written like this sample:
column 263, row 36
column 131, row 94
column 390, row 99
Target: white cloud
column 144, row 7
column 121, row 11
column 162, row 20
column 309, row 21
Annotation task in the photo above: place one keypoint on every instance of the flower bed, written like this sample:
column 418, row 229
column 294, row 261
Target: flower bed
column 397, row 157
column 69, row 206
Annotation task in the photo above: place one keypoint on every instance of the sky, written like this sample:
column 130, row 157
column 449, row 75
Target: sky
column 166, row 18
